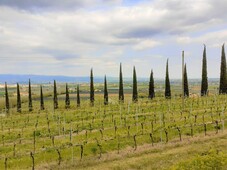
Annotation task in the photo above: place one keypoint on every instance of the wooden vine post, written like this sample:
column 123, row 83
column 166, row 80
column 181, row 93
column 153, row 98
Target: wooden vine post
column 59, row 157
column 135, row 144
column 33, row 160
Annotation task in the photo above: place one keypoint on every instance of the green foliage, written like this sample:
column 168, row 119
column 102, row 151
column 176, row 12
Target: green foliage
column 92, row 91
column 67, row 100
column 41, row 98
column 223, row 74
column 29, row 96
column 134, row 88
column 213, row 159
column 18, row 99
column 78, row 95
column 151, row 86
column 37, row 133
column 121, row 88
column 204, row 83
column 55, row 96
column 94, row 150
column 167, row 83
column 6, row 98
column 105, row 92
column 186, row 89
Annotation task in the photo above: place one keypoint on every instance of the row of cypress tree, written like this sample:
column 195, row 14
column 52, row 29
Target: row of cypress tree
column 204, row 83
column 55, row 98
column 67, row 99
column 204, row 86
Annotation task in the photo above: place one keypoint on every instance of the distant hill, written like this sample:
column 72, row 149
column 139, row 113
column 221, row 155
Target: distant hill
column 23, row 79
column 38, row 79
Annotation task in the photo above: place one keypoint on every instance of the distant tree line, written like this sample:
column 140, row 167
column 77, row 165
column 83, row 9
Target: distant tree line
column 151, row 86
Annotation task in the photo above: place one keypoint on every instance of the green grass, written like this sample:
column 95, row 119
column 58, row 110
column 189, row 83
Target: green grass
column 106, row 130
column 192, row 153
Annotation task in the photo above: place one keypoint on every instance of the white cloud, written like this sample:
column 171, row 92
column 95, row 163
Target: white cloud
column 108, row 35
column 212, row 39
column 146, row 44
column 184, row 40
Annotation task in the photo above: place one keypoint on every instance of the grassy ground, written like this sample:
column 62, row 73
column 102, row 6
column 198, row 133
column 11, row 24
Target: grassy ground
column 201, row 152
column 117, row 136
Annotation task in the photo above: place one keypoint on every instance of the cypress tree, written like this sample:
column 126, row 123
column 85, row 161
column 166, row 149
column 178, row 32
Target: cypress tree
column 41, row 98
column 121, row 88
column 78, row 96
column 29, row 96
column 55, row 96
column 186, row 90
column 204, row 83
column 67, row 100
column 18, row 99
column 6, row 99
column 223, row 76
column 167, row 83
column 92, row 93
column 105, row 92
column 134, row 89
column 151, row 86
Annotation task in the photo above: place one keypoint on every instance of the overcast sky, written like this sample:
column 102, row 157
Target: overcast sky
column 68, row 37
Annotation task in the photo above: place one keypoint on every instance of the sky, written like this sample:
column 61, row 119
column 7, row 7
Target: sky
column 69, row 37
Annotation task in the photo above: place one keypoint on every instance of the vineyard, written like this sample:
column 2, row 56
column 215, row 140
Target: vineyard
column 78, row 136
column 113, row 85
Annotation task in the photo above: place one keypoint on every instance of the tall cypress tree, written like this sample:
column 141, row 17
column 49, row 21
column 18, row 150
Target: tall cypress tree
column 151, row 86
column 223, row 76
column 41, row 98
column 55, row 96
column 204, row 83
column 121, row 88
column 78, row 96
column 105, row 92
column 29, row 97
column 186, row 89
column 67, row 100
column 167, row 83
column 18, row 99
column 92, row 93
column 134, row 89
column 6, row 99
